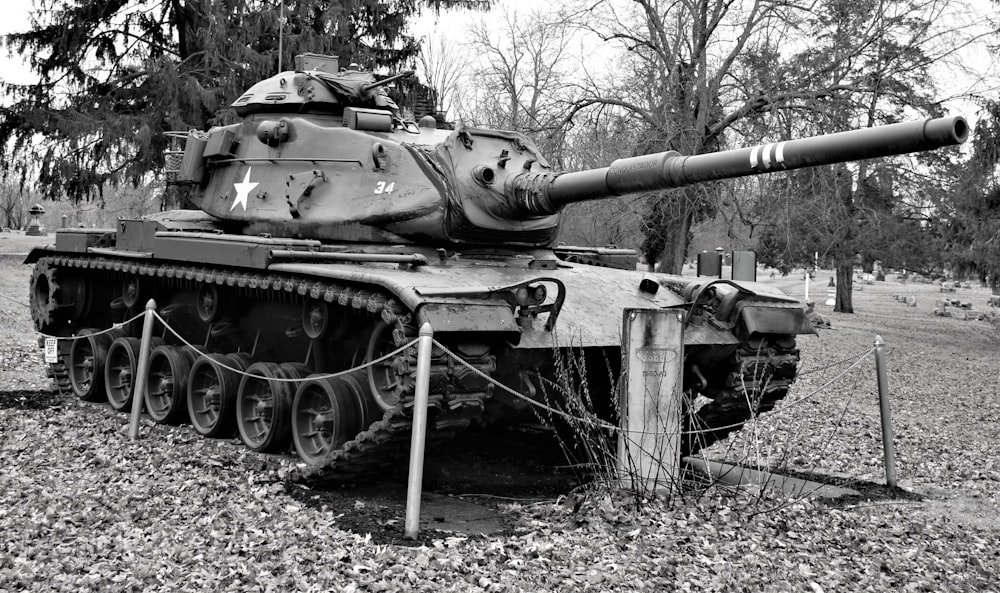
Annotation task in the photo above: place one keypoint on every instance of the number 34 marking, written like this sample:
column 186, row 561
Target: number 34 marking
column 385, row 188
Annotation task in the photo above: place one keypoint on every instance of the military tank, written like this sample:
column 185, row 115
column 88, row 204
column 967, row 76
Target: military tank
column 327, row 230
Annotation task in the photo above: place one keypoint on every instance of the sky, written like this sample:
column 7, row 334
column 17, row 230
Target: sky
column 15, row 18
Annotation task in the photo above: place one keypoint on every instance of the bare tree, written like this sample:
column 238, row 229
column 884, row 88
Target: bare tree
column 12, row 206
column 600, row 137
column 443, row 67
column 702, row 75
column 521, row 81
column 873, row 207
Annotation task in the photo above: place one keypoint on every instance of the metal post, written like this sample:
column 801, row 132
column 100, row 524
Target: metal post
column 886, row 413
column 414, row 483
column 139, row 390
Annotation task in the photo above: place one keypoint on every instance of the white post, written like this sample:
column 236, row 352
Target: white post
column 649, row 443
column 139, row 390
column 815, row 270
column 414, row 484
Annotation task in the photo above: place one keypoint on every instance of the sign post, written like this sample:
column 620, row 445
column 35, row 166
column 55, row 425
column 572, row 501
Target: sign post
column 649, row 442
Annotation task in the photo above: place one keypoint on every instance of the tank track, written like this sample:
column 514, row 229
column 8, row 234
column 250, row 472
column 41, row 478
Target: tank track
column 60, row 377
column 761, row 376
column 455, row 401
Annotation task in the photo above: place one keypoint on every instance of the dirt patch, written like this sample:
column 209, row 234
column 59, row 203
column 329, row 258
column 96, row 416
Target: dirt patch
column 467, row 482
column 965, row 510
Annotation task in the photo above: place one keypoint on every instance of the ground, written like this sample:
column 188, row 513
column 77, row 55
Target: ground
column 82, row 507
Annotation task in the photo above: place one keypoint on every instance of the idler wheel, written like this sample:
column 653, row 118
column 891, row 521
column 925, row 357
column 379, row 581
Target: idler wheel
column 120, row 370
column 87, row 355
column 389, row 380
column 54, row 299
column 264, row 405
column 166, row 383
column 328, row 412
column 211, row 394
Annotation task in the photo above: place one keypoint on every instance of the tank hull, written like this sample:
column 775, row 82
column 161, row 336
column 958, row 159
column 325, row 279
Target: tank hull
column 284, row 309
column 591, row 314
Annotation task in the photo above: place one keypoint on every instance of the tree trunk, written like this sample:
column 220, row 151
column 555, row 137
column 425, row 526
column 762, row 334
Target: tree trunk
column 668, row 227
column 675, row 245
column 845, row 284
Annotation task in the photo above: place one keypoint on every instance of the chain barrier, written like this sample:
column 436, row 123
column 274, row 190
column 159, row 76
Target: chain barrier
column 835, row 364
column 278, row 379
column 858, row 358
column 538, row 404
column 600, row 424
column 114, row 326
column 15, row 301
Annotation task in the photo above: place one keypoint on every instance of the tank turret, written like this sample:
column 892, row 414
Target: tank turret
column 325, row 156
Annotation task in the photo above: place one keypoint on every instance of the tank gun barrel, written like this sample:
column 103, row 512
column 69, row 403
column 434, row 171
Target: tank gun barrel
column 374, row 85
column 547, row 193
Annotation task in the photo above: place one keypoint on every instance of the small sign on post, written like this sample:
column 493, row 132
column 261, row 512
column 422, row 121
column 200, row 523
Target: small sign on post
column 51, row 350
column 649, row 443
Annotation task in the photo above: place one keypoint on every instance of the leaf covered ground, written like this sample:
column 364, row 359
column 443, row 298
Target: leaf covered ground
column 83, row 508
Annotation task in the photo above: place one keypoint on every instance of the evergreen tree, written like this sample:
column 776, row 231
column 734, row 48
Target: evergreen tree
column 971, row 212
column 114, row 76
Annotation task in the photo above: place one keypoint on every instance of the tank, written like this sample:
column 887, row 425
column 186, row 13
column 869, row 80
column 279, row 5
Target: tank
column 328, row 230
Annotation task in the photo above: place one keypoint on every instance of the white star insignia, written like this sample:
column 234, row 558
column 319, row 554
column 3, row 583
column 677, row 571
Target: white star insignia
column 243, row 190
